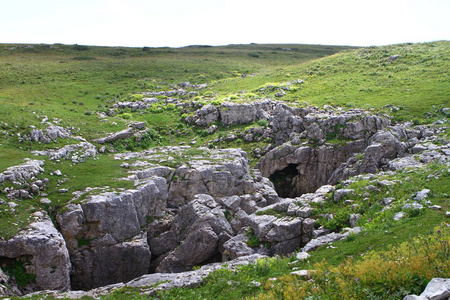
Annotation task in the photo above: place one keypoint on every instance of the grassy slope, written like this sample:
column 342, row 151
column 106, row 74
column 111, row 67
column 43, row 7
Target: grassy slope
column 49, row 82
column 415, row 82
column 68, row 83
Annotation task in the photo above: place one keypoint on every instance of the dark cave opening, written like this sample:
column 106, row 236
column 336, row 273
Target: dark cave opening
column 284, row 181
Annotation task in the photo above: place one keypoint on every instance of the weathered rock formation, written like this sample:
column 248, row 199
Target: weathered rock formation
column 52, row 133
column 192, row 207
column 392, row 148
column 24, row 172
column 109, row 227
column 156, row 281
column 296, row 170
column 124, row 134
column 42, row 250
column 76, row 153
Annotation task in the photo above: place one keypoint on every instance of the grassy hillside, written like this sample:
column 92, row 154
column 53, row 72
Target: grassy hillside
column 69, row 83
column 74, row 85
column 417, row 81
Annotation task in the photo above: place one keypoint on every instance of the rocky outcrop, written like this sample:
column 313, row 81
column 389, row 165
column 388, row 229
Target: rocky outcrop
column 222, row 173
column 230, row 113
column 297, row 170
column 288, row 123
column 24, row 180
column 43, row 252
column 392, row 149
column 24, row 172
column 76, row 153
column 124, row 134
column 199, row 230
column 96, row 235
column 51, row 134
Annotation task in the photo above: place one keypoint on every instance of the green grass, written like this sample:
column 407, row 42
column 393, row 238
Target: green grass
column 76, row 178
column 72, row 84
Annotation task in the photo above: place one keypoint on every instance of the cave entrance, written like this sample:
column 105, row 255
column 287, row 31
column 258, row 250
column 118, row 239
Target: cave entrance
column 285, row 181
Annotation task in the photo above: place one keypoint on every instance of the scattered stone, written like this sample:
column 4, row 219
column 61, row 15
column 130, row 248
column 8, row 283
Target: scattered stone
column 50, row 134
column 138, row 125
column 387, row 201
column 393, row 57
column 340, row 194
column 35, row 189
column 435, row 207
column 57, row 173
column 45, row 201
column 302, row 273
column 24, row 172
column 354, row 218
column 255, row 284
column 302, row 255
column 436, row 289
column 422, row 194
column 413, row 205
column 398, row 216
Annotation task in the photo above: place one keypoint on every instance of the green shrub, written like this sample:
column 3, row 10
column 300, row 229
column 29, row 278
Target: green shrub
column 125, row 116
column 19, row 273
column 253, row 240
column 340, row 220
column 263, row 123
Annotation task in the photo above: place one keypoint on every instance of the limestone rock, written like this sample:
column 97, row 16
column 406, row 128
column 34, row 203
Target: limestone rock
column 284, row 229
column 197, row 227
column 437, row 289
column 243, row 113
column 237, row 247
column 44, row 248
column 205, row 116
column 227, row 177
column 96, row 227
column 398, row 216
column 76, row 153
column 327, row 239
column 341, row 193
column 101, row 263
column 124, row 134
column 50, row 134
column 24, row 172
column 422, row 194
column 196, row 248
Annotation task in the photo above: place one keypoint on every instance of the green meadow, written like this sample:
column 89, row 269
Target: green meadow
column 74, row 86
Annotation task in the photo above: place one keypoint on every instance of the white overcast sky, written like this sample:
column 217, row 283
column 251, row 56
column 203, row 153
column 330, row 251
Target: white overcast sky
column 175, row 23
